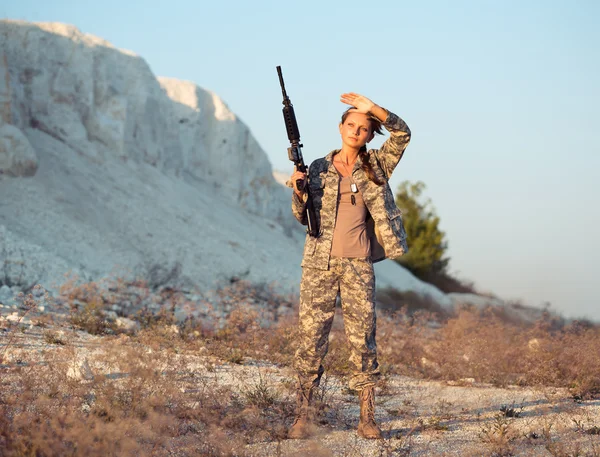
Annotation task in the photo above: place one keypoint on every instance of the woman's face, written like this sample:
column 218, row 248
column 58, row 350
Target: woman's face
column 356, row 130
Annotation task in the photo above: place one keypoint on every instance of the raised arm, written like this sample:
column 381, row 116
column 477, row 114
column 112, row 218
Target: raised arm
column 392, row 149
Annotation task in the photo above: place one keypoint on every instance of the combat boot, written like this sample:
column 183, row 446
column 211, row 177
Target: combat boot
column 367, row 428
column 302, row 426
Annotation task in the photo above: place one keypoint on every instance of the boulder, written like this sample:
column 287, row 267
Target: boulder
column 17, row 157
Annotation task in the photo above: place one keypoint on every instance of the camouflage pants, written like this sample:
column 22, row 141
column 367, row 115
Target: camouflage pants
column 354, row 280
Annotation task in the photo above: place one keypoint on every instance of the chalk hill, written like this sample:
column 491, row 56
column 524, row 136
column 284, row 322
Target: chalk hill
column 105, row 168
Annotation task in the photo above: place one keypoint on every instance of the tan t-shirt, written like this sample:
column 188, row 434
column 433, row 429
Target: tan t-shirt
column 350, row 233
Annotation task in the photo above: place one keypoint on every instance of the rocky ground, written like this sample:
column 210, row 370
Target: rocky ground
column 419, row 417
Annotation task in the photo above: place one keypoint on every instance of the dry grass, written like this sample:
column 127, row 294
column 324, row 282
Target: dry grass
column 155, row 389
column 142, row 398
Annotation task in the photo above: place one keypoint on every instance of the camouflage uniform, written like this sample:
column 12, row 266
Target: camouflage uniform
column 324, row 276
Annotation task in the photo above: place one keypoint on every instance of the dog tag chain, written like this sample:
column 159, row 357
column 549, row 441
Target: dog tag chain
column 353, row 187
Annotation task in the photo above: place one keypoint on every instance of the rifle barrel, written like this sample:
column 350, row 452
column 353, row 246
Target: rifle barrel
column 282, row 83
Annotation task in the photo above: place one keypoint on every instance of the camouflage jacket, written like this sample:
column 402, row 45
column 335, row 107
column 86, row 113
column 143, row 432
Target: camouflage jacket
column 384, row 221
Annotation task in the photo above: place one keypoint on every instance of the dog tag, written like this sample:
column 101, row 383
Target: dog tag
column 353, row 187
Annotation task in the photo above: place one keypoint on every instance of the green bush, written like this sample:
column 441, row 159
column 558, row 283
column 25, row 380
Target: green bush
column 427, row 243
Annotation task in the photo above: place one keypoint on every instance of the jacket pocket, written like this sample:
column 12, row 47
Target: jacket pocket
column 317, row 189
column 397, row 224
column 309, row 247
column 319, row 181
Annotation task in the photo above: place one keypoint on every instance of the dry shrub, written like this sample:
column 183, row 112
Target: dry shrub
column 152, row 392
column 500, row 436
column 490, row 345
column 144, row 402
column 148, row 394
column 479, row 345
column 28, row 303
column 392, row 300
column 487, row 345
column 87, row 303
column 253, row 325
column 402, row 342
column 247, row 320
column 241, row 336
column 92, row 318
column 568, row 357
column 91, row 303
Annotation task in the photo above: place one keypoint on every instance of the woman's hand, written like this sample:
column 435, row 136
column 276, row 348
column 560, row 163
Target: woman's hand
column 296, row 175
column 361, row 103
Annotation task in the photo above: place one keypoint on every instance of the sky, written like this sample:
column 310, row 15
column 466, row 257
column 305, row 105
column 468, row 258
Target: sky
column 502, row 98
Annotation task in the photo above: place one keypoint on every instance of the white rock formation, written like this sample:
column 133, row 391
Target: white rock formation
column 105, row 103
column 17, row 157
column 109, row 170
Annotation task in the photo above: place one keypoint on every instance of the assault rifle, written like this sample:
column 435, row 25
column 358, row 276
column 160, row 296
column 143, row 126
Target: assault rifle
column 295, row 155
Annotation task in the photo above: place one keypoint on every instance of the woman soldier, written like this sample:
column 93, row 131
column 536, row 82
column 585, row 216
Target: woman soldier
column 359, row 224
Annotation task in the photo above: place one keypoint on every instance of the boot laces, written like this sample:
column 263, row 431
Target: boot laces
column 302, row 404
column 368, row 401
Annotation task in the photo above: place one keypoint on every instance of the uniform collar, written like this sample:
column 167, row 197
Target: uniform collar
column 329, row 158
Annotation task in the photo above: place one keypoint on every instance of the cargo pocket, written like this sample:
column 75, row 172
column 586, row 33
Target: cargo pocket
column 363, row 279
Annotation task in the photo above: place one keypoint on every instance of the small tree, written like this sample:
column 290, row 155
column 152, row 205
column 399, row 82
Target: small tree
column 426, row 242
